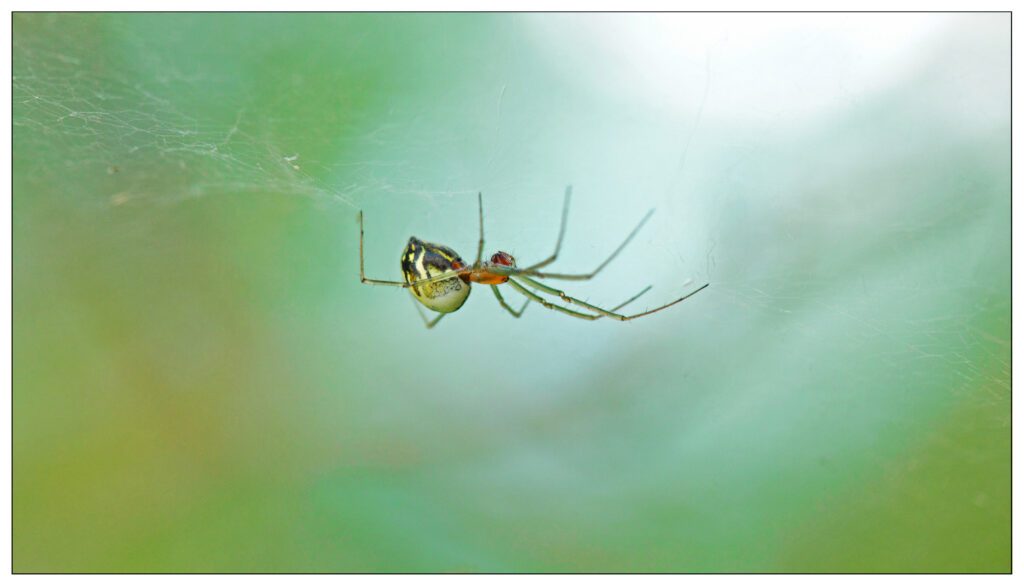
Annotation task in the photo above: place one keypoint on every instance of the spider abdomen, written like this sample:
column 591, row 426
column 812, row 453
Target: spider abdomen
column 423, row 260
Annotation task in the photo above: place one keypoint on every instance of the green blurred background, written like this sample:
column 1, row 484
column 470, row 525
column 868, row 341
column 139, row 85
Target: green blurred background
column 201, row 383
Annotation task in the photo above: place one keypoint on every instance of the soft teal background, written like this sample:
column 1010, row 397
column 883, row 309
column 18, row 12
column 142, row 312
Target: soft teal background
column 201, row 383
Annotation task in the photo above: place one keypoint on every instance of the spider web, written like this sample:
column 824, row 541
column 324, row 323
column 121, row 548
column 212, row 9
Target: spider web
column 125, row 118
column 848, row 204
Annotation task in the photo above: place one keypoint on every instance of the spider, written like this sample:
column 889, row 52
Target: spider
column 438, row 278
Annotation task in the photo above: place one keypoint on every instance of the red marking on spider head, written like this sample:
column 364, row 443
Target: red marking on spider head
column 504, row 259
column 486, row 277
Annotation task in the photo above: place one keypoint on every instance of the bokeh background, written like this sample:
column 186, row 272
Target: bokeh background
column 201, row 383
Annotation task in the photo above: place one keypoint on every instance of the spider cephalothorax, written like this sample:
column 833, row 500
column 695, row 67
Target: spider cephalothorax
column 503, row 259
column 438, row 278
column 492, row 273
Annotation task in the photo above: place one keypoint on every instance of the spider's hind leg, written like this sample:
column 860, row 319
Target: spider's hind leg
column 430, row 323
column 362, row 270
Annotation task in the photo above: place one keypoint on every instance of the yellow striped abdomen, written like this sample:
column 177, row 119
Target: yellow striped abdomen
column 422, row 260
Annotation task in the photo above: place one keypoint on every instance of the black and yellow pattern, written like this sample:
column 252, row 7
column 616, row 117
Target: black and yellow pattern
column 422, row 260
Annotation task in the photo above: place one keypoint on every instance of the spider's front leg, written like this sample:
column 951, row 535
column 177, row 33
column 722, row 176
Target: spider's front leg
column 548, row 304
column 531, row 295
column 574, row 301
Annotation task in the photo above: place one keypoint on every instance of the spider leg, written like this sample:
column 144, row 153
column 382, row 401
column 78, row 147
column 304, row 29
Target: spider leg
column 402, row 284
column 362, row 263
column 631, row 299
column 585, row 276
column 480, row 247
column 508, row 307
column 561, row 233
column 435, row 278
column 530, row 296
column 548, row 304
column 362, row 270
column 568, row 299
column 426, row 320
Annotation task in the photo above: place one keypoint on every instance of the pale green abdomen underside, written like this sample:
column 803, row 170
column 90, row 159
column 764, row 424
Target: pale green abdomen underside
column 443, row 296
